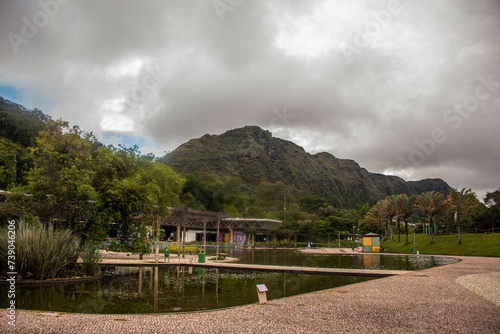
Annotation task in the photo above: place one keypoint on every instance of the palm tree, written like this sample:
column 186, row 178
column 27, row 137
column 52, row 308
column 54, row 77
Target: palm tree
column 431, row 203
column 376, row 213
column 459, row 202
column 388, row 212
column 405, row 207
column 361, row 212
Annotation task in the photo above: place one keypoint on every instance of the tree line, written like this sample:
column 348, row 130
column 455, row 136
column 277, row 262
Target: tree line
column 432, row 207
column 52, row 172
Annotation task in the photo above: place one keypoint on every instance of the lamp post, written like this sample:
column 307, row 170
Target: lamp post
column 357, row 240
column 414, row 227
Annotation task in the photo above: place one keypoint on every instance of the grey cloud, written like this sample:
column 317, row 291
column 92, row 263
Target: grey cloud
column 222, row 74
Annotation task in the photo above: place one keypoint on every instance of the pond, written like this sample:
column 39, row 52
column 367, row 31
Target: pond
column 126, row 290
column 180, row 289
column 289, row 257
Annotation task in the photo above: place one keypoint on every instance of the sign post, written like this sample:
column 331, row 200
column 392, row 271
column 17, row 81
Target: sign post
column 261, row 292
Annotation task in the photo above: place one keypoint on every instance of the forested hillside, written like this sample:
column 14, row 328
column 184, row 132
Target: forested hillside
column 255, row 156
column 51, row 172
column 57, row 174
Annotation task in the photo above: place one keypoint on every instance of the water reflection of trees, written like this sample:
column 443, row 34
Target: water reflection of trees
column 170, row 289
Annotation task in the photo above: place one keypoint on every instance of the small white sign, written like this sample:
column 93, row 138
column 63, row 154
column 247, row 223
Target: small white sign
column 262, row 288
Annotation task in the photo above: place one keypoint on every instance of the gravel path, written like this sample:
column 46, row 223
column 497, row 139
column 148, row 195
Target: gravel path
column 428, row 301
column 486, row 285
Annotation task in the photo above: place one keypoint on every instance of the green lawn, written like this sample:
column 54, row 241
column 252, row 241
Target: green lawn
column 472, row 244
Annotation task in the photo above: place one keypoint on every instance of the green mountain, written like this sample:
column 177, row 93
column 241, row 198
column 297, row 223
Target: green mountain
column 19, row 124
column 18, row 130
column 255, row 156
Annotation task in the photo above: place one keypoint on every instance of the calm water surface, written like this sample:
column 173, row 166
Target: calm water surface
column 350, row 261
column 160, row 290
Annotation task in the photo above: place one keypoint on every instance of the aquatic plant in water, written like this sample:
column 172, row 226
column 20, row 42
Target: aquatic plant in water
column 40, row 252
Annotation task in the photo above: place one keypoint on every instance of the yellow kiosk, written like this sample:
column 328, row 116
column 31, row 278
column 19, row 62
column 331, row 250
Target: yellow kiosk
column 371, row 243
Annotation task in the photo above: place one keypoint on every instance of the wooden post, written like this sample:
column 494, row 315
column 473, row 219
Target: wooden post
column 157, row 246
column 205, row 237
column 184, row 242
column 231, row 235
column 179, row 237
column 218, row 230
column 141, row 271
column 155, row 291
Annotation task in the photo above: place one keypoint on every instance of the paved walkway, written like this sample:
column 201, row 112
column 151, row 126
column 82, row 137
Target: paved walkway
column 456, row 298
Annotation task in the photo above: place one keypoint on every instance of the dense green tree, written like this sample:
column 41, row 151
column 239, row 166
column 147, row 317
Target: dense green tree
column 377, row 213
column 405, row 206
column 388, row 211
column 60, row 182
column 460, row 202
column 431, row 203
column 312, row 204
column 13, row 158
column 322, row 228
column 361, row 212
column 19, row 124
column 492, row 201
column 271, row 195
column 204, row 191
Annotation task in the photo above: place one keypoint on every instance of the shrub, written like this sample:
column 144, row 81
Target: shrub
column 91, row 255
column 114, row 246
column 39, row 252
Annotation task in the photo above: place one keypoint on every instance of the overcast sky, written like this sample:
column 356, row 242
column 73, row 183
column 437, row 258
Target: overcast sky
column 410, row 88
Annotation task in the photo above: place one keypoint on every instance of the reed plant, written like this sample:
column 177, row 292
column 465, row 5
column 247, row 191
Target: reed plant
column 39, row 252
column 91, row 255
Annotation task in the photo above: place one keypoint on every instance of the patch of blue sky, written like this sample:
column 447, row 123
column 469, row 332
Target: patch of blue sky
column 9, row 93
column 128, row 140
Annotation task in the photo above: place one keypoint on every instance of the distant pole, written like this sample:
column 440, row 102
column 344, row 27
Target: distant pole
column 284, row 209
column 339, row 239
column 357, row 239
column 205, row 236
column 179, row 238
column 414, row 250
column 218, row 231
column 157, row 240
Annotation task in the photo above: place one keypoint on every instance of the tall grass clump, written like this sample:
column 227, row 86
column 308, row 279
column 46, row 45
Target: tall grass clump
column 40, row 252
column 91, row 255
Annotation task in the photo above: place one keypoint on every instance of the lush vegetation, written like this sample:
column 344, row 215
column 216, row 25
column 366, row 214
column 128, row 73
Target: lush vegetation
column 254, row 156
column 39, row 252
column 51, row 173
column 433, row 212
column 480, row 244
column 54, row 172
column 91, row 255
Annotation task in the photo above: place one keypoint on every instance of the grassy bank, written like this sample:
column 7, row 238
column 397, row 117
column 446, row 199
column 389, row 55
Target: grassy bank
column 472, row 245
